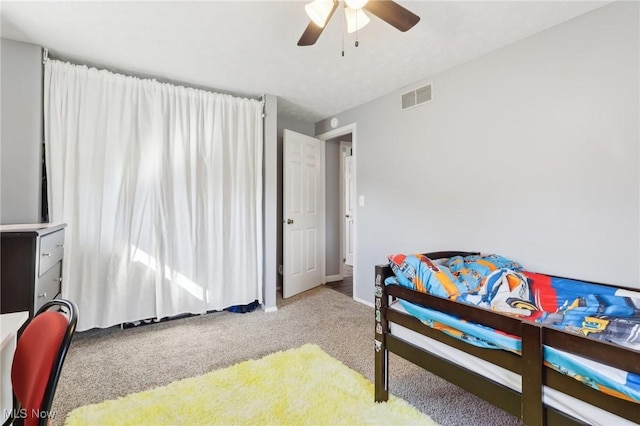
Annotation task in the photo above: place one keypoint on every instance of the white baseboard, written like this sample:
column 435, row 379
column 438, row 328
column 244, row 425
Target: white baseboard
column 332, row 278
column 269, row 310
column 364, row 302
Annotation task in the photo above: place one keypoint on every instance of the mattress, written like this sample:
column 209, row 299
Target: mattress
column 553, row 398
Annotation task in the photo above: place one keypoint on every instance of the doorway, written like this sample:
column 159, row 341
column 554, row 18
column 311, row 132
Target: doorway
column 340, row 218
column 347, row 207
column 340, row 214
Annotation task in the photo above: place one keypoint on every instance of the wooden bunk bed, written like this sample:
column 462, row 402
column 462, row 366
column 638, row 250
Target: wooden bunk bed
column 526, row 404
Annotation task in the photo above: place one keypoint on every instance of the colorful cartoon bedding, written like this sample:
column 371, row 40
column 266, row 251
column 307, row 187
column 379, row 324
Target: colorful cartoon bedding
column 500, row 284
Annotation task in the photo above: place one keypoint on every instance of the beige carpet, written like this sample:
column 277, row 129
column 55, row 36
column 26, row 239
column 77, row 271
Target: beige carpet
column 107, row 364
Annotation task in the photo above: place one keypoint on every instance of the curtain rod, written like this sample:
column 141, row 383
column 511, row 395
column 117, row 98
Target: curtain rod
column 47, row 55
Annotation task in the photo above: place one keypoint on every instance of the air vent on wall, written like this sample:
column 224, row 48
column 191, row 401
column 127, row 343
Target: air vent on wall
column 416, row 97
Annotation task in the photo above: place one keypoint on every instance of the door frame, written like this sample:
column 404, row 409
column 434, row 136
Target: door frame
column 331, row 134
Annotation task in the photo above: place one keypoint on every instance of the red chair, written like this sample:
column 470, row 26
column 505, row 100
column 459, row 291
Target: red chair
column 38, row 359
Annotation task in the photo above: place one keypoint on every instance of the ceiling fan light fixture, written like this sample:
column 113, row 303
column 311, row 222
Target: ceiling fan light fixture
column 356, row 4
column 356, row 19
column 319, row 11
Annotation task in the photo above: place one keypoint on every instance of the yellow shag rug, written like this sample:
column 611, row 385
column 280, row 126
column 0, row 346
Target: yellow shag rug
column 303, row 386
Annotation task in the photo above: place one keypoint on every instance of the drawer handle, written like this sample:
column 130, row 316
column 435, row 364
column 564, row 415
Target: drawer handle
column 42, row 295
column 60, row 246
column 46, row 254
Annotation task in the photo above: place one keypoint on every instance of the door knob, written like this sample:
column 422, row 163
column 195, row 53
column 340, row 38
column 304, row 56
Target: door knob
column 289, row 221
column 346, row 215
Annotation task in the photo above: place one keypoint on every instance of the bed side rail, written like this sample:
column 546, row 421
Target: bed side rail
column 604, row 352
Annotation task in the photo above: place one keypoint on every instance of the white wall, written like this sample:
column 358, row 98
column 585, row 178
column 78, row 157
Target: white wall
column 270, row 202
column 21, row 135
column 532, row 151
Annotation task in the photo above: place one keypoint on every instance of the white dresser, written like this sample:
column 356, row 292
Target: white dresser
column 9, row 326
column 31, row 265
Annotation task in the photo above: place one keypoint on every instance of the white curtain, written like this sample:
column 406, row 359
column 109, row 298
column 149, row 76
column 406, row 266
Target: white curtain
column 161, row 188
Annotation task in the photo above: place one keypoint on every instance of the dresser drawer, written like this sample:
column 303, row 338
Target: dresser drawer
column 48, row 286
column 51, row 250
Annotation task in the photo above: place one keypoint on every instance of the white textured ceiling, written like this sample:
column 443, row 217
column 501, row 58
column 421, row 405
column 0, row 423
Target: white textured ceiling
column 249, row 48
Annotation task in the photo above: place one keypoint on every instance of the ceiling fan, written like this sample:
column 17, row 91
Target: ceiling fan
column 320, row 11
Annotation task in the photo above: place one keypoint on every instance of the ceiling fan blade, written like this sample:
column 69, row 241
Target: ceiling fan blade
column 393, row 14
column 310, row 35
column 312, row 32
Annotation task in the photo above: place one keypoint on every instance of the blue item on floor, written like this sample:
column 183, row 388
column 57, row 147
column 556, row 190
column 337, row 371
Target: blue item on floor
column 243, row 309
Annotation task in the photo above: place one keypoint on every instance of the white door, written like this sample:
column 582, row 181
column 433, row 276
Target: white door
column 349, row 199
column 303, row 213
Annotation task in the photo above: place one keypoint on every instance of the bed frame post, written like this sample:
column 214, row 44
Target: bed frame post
column 532, row 374
column 381, row 353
